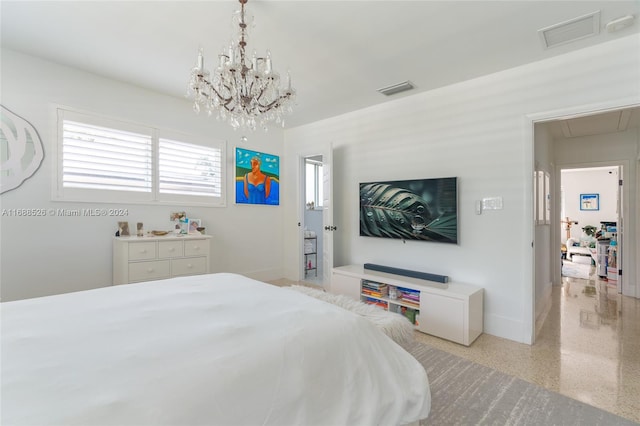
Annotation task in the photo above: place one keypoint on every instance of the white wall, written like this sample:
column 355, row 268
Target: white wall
column 48, row 255
column 595, row 181
column 478, row 131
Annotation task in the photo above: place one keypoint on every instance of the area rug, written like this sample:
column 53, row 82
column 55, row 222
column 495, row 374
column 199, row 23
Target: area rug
column 466, row 393
column 575, row 270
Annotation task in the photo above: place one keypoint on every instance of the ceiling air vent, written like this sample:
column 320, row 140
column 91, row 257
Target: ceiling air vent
column 571, row 30
column 396, row 88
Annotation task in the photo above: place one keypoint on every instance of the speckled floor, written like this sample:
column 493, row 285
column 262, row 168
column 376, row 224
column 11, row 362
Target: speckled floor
column 587, row 349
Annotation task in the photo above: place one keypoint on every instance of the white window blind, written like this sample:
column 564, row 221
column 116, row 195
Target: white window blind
column 100, row 159
column 189, row 169
column 95, row 157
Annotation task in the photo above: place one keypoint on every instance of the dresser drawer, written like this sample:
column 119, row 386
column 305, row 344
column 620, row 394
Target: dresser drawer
column 170, row 249
column 142, row 251
column 196, row 248
column 189, row 266
column 146, row 271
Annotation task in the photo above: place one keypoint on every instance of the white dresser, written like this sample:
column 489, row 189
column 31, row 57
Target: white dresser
column 138, row 259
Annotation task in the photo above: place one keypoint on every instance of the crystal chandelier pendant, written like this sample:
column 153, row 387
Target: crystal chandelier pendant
column 244, row 91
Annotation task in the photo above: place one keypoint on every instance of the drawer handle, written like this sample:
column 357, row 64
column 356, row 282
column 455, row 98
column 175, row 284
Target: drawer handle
column 189, row 265
column 143, row 251
column 196, row 247
column 172, row 249
column 150, row 270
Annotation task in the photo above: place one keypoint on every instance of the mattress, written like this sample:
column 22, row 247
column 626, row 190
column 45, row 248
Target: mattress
column 218, row 349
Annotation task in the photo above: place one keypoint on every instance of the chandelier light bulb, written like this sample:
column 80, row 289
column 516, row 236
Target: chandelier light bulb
column 243, row 90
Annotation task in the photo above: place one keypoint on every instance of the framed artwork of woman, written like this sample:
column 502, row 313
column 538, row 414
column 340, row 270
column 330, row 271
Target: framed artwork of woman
column 257, row 177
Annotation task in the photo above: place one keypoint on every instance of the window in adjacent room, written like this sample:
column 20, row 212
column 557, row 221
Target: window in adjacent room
column 105, row 160
column 313, row 181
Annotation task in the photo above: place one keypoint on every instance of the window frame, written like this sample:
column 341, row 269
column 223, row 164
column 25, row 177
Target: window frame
column 317, row 181
column 60, row 193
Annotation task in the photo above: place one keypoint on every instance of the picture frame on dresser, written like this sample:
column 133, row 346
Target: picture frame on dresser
column 123, row 229
column 194, row 224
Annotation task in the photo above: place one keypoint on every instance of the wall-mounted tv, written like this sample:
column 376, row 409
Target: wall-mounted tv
column 419, row 209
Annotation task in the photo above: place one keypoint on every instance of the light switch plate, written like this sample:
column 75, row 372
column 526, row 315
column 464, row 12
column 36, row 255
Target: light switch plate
column 492, row 203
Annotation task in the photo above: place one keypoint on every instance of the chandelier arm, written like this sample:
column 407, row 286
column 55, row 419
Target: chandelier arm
column 224, row 101
column 275, row 103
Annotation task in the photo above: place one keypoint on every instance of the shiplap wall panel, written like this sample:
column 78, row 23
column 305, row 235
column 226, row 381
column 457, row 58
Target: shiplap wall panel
column 475, row 130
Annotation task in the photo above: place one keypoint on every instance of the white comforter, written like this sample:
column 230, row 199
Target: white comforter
column 216, row 349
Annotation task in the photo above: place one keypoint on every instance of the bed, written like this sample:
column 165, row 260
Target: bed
column 218, row 349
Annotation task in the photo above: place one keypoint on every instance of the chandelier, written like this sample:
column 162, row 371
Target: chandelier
column 242, row 91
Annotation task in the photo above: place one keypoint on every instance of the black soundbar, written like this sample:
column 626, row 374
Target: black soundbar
column 407, row 273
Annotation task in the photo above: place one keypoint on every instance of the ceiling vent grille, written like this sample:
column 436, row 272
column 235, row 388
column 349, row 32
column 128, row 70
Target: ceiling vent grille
column 571, row 30
column 396, row 88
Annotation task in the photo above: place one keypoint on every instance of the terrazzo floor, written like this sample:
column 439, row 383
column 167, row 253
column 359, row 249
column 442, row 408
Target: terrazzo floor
column 588, row 348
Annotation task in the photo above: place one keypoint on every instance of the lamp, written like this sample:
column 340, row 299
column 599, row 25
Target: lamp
column 243, row 92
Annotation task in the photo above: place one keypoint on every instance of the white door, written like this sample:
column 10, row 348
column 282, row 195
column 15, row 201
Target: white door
column 620, row 225
column 327, row 215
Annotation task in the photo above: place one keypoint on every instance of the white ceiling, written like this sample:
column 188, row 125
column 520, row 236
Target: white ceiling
column 596, row 124
column 339, row 52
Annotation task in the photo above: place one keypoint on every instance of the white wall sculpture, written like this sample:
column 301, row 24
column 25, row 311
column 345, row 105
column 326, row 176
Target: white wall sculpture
column 21, row 151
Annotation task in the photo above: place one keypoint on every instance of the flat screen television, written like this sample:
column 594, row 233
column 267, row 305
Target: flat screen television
column 419, row 209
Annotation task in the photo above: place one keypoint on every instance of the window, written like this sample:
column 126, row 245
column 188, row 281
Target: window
column 313, row 181
column 95, row 157
column 104, row 160
column 189, row 169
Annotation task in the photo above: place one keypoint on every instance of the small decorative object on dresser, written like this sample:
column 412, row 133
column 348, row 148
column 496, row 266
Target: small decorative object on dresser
column 123, row 229
column 177, row 218
column 139, row 229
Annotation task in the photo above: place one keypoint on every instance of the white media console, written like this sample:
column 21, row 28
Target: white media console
column 454, row 313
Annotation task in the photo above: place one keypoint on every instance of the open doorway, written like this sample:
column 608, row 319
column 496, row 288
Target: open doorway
column 582, row 140
column 590, row 215
column 313, row 220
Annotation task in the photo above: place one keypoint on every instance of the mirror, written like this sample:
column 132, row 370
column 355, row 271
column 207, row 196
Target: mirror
column 21, row 150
